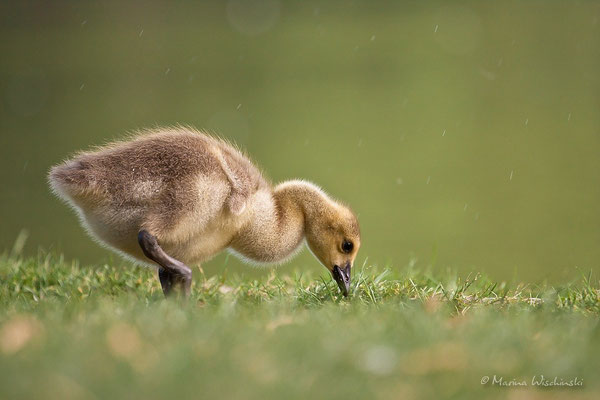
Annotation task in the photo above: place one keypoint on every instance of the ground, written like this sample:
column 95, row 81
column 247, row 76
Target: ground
column 89, row 332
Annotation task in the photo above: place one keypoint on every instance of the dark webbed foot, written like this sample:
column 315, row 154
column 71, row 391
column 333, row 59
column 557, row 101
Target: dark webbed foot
column 173, row 273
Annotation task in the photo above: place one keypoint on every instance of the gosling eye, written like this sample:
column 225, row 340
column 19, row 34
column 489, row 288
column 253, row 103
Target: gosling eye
column 347, row 246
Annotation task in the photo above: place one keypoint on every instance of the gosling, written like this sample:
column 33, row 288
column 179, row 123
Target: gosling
column 177, row 197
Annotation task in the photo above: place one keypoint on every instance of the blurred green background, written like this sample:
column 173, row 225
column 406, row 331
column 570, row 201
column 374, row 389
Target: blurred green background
column 466, row 135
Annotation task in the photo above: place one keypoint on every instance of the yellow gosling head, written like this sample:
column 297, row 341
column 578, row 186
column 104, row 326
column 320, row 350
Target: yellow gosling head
column 333, row 236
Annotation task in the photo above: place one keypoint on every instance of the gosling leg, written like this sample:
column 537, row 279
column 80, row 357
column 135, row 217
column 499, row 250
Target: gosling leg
column 166, row 280
column 174, row 273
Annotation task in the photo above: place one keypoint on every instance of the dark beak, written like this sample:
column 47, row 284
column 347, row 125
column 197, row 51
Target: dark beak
column 342, row 277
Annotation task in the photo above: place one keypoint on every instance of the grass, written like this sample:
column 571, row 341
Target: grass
column 106, row 332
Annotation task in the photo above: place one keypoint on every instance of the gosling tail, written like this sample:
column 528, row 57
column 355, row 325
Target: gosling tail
column 72, row 180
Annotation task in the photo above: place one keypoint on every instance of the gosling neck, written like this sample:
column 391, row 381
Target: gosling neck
column 278, row 220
